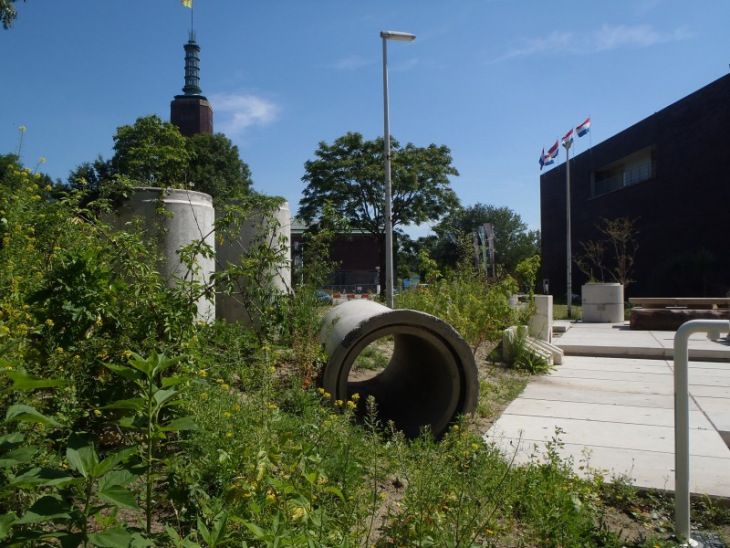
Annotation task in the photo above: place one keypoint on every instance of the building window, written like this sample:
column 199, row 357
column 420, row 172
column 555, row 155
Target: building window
column 633, row 169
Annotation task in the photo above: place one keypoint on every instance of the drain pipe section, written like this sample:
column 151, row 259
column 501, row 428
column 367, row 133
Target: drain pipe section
column 431, row 377
column 713, row 328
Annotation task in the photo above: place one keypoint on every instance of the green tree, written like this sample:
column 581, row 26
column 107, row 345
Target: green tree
column 151, row 152
column 8, row 13
column 91, row 176
column 350, row 175
column 513, row 241
column 216, row 168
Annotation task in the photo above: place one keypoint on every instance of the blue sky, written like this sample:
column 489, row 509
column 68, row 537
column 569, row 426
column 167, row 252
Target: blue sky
column 495, row 81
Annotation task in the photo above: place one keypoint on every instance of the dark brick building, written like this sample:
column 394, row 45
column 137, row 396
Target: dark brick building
column 358, row 256
column 671, row 172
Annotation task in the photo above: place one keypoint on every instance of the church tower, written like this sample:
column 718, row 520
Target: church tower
column 191, row 112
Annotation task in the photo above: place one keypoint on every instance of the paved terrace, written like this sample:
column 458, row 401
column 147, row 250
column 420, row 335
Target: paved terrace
column 613, row 397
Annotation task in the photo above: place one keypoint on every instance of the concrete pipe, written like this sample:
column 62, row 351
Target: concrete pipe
column 431, row 377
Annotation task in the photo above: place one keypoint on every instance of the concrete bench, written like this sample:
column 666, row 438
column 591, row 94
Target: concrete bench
column 668, row 313
column 711, row 303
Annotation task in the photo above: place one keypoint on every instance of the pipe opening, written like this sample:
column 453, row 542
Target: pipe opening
column 418, row 387
column 426, row 380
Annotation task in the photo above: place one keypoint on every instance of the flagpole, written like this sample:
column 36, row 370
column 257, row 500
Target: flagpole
column 569, row 276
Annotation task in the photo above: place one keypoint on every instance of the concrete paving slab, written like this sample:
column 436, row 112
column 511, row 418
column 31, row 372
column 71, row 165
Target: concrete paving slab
column 603, row 412
column 597, row 435
column 651, row 470
column 613, row 399
column 621, row 341
column 716, row 411
column 549, row 389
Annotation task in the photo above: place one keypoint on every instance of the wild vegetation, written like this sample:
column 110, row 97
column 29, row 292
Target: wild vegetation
column 126, row 423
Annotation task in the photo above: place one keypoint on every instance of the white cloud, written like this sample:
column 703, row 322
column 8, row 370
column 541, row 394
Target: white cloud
column 606, row 38
column 234, row 113
column 353, row 62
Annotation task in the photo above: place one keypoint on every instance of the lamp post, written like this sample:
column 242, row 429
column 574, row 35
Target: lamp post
column 568, row 250
column 402, row 37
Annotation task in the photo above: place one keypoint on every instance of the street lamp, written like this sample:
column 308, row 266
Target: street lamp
column 402, row 37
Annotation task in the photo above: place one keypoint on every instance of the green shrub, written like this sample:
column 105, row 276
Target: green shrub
column 478, row 311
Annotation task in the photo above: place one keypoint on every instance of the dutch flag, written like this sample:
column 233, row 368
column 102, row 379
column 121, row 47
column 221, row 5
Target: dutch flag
column 584, row 128
column 553, row 151
column 568, row 138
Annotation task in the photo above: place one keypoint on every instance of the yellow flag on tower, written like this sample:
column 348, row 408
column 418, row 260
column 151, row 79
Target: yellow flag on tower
column 187, row 3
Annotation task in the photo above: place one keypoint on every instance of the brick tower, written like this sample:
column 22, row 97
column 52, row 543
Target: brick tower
column 191, row 112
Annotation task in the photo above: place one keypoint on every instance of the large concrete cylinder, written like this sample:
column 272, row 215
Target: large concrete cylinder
column 173, row 219
column 272, row 229
column 431, row 377
column 602, row 303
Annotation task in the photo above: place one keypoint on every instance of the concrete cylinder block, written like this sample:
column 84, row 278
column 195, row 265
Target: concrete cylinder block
column 431, row 377
column 603, row 303
column 173, row 219
column 272, row 228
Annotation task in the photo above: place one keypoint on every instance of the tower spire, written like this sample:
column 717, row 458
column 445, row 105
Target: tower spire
column 192, row 66
column 191, row 112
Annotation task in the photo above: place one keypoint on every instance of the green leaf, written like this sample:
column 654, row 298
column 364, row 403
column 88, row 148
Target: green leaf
column 135, row 404
column 257, row 531
column 203, row 530
column 172, row 381
column 118, row 477
column 14, row 457
column 45, row 509
column 163, row 363
column 41, row 477
column 11, row 441
column 138, row 541
column 20, row 412
column 24, row 381
column 114, row 459
column 12, row 450
column 179, row 424
column 118, row 496
column 6, row 522
column 82, row 459
column 126, row 372
column 335, row 491
column 112, row 538
column 144, row 365
column 161, row 396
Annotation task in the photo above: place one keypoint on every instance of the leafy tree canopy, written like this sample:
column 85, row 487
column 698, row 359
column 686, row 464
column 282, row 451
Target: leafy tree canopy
column 350, row 175
column 154, row 153
column 215, row 166
column 8, row 13
column 513, row 242
column 91, row 176
column 151, row 151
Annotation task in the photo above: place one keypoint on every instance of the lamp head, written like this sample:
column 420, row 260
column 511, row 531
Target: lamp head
column 396, row 35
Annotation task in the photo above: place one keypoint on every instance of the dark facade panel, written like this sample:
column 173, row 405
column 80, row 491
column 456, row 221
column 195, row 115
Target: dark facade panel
column 359, row 257
column 682, row 208
column 192, row 114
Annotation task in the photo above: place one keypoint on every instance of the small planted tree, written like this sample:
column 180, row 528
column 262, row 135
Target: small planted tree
column 610, row 259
